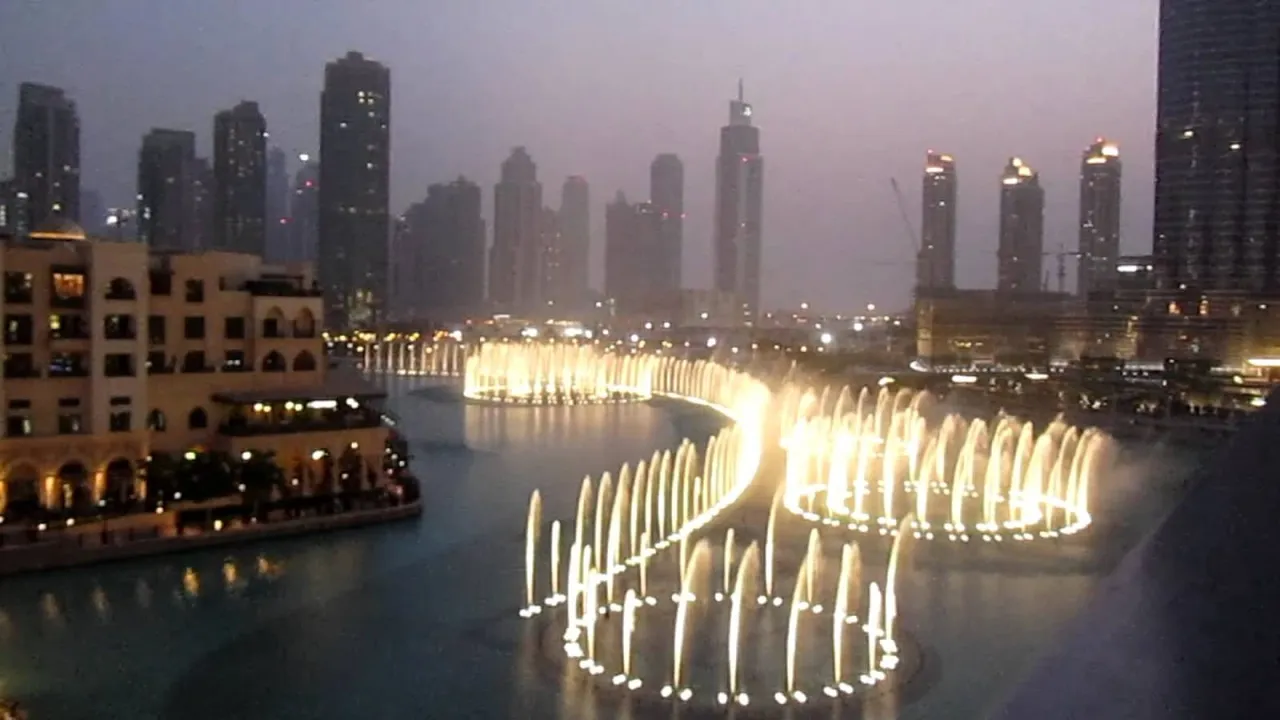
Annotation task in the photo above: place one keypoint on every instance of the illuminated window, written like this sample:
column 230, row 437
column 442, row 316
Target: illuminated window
column 68, row 286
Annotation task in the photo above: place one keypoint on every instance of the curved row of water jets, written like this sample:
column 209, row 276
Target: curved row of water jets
column 864, row 464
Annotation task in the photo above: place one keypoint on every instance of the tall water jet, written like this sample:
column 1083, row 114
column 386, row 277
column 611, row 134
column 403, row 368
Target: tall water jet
column 770, row 532
column 601, row 523
column 872, row 628
column 693, row 570
column 812, row 565
column 728, row 560
column 532, row 526
column 746, row 571
column 629, row 603
column 583, row 515
column 793, row 630
column 840, row 615
column 555, row 559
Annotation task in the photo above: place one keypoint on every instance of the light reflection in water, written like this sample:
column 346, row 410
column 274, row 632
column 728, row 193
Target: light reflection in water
column 100, row 604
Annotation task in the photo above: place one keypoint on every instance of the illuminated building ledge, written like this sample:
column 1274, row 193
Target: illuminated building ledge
column 1188, row 625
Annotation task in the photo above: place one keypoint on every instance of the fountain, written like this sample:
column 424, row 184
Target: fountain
column 647, row 539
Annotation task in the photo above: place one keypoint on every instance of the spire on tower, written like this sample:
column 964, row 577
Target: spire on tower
column 741, row 97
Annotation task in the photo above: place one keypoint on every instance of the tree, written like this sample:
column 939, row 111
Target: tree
column 161, row 471
column 351, row 470
column 260, row 475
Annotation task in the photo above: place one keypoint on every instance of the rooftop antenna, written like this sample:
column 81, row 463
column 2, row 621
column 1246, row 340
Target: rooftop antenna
column 740, row 93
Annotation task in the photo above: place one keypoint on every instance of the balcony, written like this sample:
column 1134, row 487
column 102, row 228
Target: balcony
column 246, row 423
column 20, row 373
column 281, row 288
column 73, row 302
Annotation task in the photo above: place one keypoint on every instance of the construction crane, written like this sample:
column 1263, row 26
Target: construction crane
column 1061, row 255
column 906, row 219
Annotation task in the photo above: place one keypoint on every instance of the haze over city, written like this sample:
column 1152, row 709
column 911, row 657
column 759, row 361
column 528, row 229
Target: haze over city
column 847, row 95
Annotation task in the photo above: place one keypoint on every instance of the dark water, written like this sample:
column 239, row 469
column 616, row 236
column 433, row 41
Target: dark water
column 416, row 620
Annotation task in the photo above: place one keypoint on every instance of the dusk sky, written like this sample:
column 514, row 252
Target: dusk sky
column 847, row 94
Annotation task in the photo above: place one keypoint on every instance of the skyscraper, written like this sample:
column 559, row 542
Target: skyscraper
column 277, row 206
column 202, row 202
column 13, row 209
column 633, row 273
column 240, row 180
column 666, row 192
column 304, row 211
column 1021, row 229
column 46, row 153
column 515, row 260
column 575, row 238
column 355, row 224
column 166, row 190
column 1099, row 245
column 451, row 276
column 1217, row 206
column 936, row 258
column 739, row 208
column 553, row 289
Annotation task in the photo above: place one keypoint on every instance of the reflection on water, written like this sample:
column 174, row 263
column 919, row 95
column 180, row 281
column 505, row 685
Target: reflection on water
column 410, row 617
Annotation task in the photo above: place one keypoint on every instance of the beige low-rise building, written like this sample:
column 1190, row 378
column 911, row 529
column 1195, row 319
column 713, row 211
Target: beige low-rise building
column 113, row 353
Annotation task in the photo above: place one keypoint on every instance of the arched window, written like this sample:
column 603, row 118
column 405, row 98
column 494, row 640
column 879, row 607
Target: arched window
column 273, row 325
column 304, row 324
column 198, row 419
column 273, row 362
column 121, row 289
column 156, row 421
column 304, row 362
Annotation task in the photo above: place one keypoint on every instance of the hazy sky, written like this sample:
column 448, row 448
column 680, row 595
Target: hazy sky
column 848, row 93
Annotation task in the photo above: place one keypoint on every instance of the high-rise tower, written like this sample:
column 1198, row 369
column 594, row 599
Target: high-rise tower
column 936, row 258
column 1099, row 246
column 277, row 206
column 574, row 221
column 632, row 256
column 739, row 209
column 46, row 153
column 166, row 190
column 1217, row 205
column 354, row 224
column 1020, row 256
column 304, row 211
column 666, row 192
column 515, row 260
column 240, row 180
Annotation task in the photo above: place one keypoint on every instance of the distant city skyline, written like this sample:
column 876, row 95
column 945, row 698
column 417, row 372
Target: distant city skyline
column 845, row 104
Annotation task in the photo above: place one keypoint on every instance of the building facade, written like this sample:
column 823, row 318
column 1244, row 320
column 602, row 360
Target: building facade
column 936, row 258
column 240, row 180
column 1020, row 257
column 304, row 211
column 739, row 209
column 633, row 261
column 515, row 258
column 440, row 264
column 114, row 354
column 1099, row 245
column 46, row 153
column 574, row 220
column 1217, row 205
column 666, row 192
column 354, row 216
column 166, row 190
column 277, row 206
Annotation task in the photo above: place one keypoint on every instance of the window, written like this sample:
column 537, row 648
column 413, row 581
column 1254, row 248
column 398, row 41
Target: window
column 198, row 419
column 121, row 289
column 68, row 326
column 157, row 363
column 156, row 421
column 18, row 287
column 120, row 421
column 155, row 329
column 273, row 362
column 68, row 288
column 304, row 362
column 118, row 400
column 193, row 327
column 68, row 364
column 271, row 328
column 69, row 402
column 234, row 328
column 234, row 362
column 119, row 327
column 161, row 282
column 118, row 365
column 19, row 404
column 18, row 330
column 17, row 425
column 20, row 365
column 195, row 291
column 193, row 362
column 70, row 422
